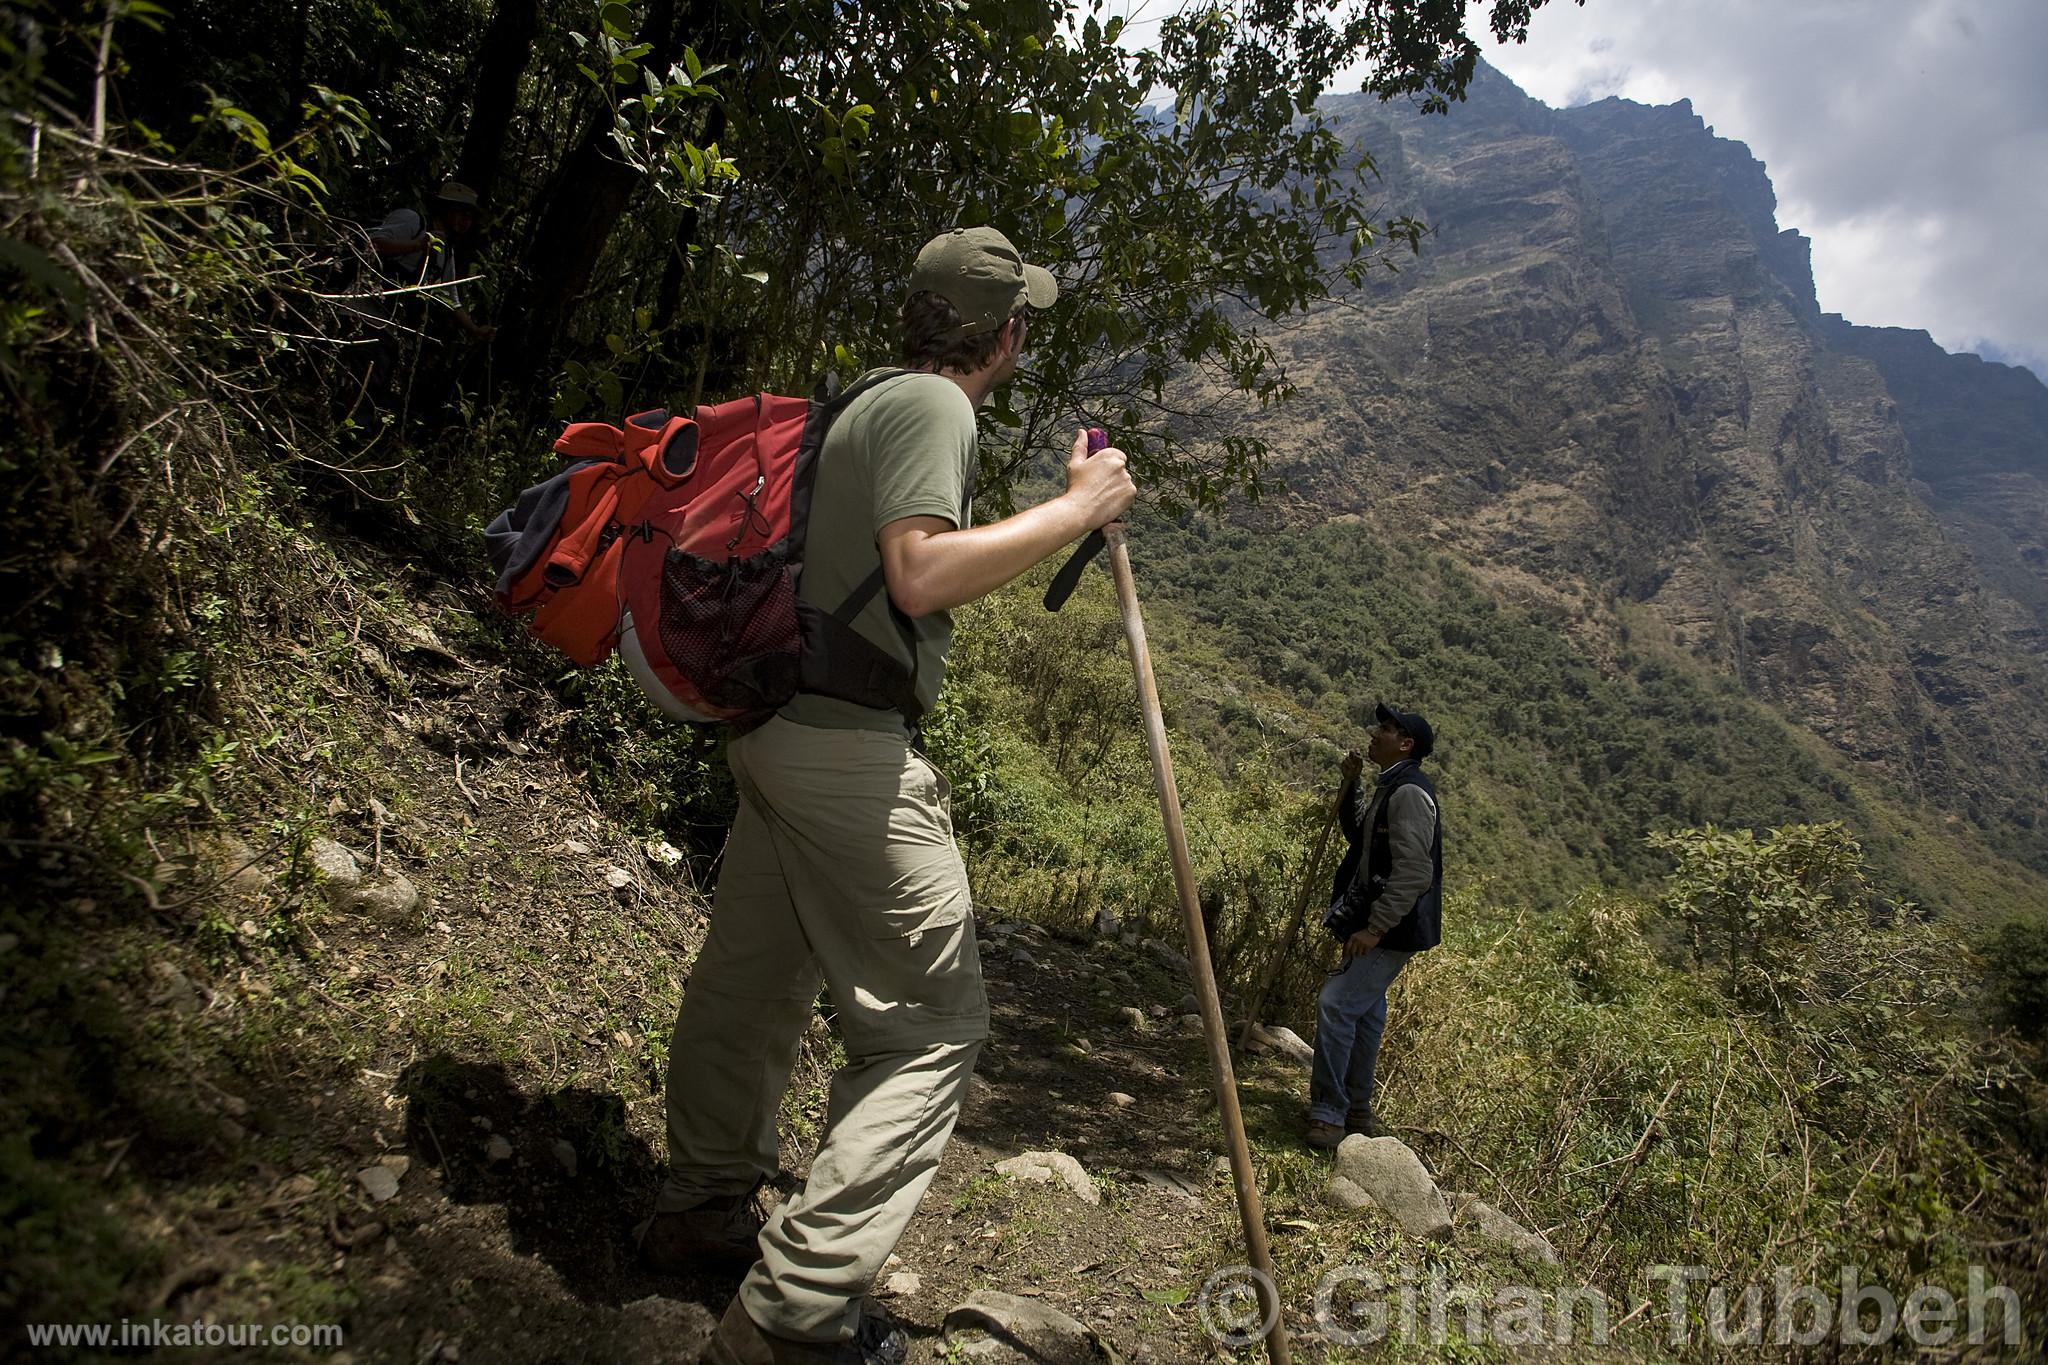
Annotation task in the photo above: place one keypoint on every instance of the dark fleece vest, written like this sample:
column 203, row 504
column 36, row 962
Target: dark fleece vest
column 1354, row 892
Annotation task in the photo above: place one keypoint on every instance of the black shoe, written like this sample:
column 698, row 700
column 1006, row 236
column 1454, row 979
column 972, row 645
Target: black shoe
column 738, row 1341
column 717, row 1231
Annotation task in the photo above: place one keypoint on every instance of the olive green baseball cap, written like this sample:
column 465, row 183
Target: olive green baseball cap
column 983, row 276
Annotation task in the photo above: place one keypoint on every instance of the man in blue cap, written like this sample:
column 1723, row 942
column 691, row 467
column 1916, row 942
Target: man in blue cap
column 1387, row 905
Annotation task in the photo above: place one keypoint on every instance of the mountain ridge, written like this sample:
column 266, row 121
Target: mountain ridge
column 1608, row 379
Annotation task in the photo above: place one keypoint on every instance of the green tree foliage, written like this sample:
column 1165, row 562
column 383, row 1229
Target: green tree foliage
column 1763, row 908
column 697, row 198
column 2018, row 956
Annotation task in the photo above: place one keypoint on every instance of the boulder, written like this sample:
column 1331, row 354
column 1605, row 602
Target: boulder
column 1346, row 1195
column 1133, row 1017
column 1046, row 1167
column 1002, row 1329
column 339, row 871
column 1168, row 957
column 390, row 897
column 1107, row 925
column 1285, row 1041
column 1477, row 1217
column 1397, row 1182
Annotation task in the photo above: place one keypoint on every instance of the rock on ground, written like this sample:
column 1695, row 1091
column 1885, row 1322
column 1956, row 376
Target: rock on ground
column 1476, row 1215
column 230, row 859
column 1395, row 1179
column 1044, row 1167
column 1345, row 1194
column 1174, row 1183
column 1168, row 957
column 391, row 898
column 339, row 871
column 1002, row 1329
column 379, row 1182
column 657, row 1329
column 1285, row 1041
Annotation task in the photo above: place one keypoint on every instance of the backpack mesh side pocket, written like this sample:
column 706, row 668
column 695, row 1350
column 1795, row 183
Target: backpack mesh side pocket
column 731, row 628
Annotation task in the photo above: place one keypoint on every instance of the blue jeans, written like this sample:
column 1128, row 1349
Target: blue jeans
column 1351, row 1014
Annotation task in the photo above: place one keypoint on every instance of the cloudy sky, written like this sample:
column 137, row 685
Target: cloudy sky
column 1907, row 138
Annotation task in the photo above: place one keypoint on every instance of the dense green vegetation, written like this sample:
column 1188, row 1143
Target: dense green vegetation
column 1569, row 736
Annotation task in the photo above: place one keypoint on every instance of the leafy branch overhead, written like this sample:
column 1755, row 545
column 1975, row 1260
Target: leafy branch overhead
column 1186, row 192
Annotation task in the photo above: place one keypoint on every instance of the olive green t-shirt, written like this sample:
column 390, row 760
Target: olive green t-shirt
column 903, row 449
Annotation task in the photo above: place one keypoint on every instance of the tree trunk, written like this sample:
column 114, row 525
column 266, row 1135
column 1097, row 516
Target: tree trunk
column 501, row 60
column 571, row 235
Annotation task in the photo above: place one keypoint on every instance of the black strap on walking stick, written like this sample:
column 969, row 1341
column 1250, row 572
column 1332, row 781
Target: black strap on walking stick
column 1069, row 576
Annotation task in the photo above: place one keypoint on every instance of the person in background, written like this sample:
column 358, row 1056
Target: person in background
column 416, row 248
column 1387, row 905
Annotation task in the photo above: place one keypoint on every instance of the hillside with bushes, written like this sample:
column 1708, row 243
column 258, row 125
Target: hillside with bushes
column 344, row 924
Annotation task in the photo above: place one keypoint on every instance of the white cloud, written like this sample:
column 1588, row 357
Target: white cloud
column 1907, row 138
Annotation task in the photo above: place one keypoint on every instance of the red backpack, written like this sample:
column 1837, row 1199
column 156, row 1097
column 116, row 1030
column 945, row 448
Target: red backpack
column 678, row 542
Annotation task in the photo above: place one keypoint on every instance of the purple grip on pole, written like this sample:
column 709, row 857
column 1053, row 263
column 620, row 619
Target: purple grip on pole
column 1098, row 439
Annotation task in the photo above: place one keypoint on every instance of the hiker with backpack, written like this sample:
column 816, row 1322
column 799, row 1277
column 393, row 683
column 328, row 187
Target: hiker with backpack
column 1386, row 906
column 841, row 869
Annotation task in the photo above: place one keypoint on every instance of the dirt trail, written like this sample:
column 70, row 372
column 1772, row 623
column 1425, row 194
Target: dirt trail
column 521, row 1261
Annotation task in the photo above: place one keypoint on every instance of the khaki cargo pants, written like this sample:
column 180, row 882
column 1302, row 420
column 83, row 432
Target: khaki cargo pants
column 841, row 868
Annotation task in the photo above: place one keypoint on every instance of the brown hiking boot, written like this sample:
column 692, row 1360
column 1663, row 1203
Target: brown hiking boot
column 738, row 1341
column 719, row 1231
column 1324, row 1137
column 1362, row 1121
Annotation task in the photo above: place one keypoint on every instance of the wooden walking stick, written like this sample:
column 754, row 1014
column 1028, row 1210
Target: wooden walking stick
column 1249, row 1207
column 1286, row 948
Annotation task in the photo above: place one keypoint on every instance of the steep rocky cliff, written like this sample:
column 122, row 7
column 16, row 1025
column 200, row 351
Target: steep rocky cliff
column 1607, row 385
